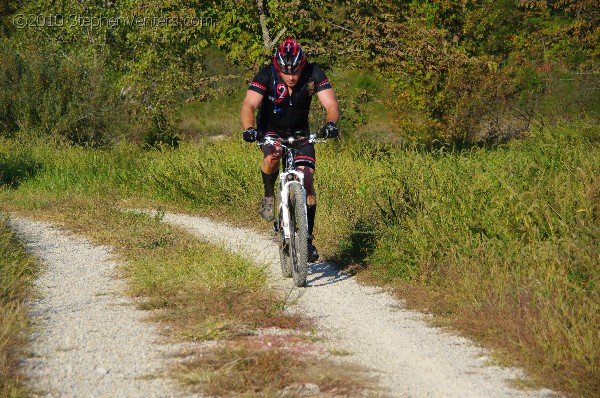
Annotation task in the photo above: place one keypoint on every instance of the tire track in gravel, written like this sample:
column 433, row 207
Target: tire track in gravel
column 408, row 357
column 89, row 340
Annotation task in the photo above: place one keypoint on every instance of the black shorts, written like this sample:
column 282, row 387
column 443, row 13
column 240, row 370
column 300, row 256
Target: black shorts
column 304, row 153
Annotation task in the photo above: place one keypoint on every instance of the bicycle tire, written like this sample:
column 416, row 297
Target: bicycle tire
column 298, row 245
column 284, row 256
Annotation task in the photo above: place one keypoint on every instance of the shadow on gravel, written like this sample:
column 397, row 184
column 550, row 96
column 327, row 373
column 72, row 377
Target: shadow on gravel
column 323, row 274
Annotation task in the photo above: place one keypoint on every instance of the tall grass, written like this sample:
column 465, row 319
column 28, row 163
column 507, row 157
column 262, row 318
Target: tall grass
column 502, row 243
column 16, row 274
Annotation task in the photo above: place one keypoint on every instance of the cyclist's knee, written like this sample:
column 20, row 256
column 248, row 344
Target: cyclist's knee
column 272, row 151
column 308, row 179
column 273, row 157
column 271, row 161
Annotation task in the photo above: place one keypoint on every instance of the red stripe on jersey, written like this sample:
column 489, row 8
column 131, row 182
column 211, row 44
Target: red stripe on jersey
column 258, row 85
column 304, row 157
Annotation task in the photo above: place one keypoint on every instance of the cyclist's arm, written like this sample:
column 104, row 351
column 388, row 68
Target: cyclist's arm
column 329, row 101
column 249, row 106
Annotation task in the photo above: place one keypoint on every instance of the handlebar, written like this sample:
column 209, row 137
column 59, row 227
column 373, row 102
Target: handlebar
column 270, row 140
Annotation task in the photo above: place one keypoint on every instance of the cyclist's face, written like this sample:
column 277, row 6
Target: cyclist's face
column 292, row 79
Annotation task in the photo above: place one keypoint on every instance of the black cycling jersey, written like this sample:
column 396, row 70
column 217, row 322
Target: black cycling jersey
column 280, row 112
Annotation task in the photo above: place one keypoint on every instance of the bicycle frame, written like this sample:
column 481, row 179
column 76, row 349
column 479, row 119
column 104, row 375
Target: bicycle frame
column 284, row 184
column 291, row 224
column 287, row 177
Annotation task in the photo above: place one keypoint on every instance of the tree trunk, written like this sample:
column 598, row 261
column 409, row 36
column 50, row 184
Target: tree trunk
column 262, row 17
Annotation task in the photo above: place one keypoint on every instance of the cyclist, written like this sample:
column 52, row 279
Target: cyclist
column 282, row 92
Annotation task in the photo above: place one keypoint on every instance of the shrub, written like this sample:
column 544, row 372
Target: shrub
column 51, row 93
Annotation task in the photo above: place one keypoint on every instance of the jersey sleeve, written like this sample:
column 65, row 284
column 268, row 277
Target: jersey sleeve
column 320, row 79
column 260, row 82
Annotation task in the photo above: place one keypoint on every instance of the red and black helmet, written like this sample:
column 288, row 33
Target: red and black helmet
column 289, row 57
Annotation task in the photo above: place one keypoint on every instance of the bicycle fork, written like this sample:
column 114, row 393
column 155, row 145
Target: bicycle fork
column 284, row 209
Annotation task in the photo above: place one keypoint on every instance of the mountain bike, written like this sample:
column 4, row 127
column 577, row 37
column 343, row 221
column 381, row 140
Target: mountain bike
column 291, row 224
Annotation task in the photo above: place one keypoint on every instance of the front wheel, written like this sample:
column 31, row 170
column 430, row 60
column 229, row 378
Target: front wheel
column 298, row 245
column 284, row 252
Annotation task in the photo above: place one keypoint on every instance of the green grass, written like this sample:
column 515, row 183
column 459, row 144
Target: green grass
column 198, row 118
column 501, row 243
column 17, row 271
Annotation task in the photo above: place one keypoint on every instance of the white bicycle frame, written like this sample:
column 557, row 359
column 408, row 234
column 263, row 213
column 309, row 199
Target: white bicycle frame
column 284, row 183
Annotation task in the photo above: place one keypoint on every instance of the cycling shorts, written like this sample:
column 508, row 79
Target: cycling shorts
column 304, row 152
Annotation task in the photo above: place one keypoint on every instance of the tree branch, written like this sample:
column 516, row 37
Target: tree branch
column 263, row 24
column 276, row 39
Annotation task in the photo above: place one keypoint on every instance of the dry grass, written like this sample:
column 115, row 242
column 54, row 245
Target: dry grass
column 271, row 372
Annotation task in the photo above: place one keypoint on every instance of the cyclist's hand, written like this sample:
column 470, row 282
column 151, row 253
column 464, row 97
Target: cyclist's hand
column 251, row 134
column 330, row 130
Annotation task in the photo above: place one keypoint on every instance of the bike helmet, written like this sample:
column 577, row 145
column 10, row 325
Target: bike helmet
column 289, row 57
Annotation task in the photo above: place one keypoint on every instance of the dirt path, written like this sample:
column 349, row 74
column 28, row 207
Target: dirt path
column 409, row 358
column 89, row 339
column 91, row 342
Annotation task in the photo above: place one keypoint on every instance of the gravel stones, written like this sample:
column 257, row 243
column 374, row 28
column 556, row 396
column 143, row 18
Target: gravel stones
column 89, row 340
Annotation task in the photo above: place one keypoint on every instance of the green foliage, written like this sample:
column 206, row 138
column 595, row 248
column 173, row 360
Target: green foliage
column 457, row 71
column 53, row 94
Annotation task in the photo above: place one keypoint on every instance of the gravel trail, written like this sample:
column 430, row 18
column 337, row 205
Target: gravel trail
column 89, row 340
column 408, row 357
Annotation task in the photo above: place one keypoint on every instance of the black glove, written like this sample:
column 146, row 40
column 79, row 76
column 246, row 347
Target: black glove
column 251, row 134
column 330, row 130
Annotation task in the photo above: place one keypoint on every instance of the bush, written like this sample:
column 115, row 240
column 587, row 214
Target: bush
column 50, row 93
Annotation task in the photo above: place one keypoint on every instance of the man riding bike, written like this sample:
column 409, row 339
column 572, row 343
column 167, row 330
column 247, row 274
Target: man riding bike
column 282, row 91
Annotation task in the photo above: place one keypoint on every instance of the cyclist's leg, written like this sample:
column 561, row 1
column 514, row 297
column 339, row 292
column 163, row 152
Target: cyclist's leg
column 271, row 159
column 305, row 161
column 269, row 168
column 311, row 196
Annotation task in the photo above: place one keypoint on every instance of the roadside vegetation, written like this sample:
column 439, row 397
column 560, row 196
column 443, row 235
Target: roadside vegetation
column 501, row 243
column 17, row 271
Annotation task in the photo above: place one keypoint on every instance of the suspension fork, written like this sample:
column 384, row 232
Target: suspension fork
column 284, row 189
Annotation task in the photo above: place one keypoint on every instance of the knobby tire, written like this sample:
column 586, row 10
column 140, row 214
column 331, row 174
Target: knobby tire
column 284, row 253
column 298, row 245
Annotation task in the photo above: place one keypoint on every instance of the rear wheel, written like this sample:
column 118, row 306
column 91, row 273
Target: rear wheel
column 298, row 248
